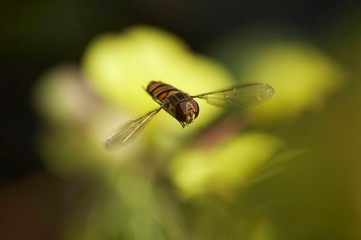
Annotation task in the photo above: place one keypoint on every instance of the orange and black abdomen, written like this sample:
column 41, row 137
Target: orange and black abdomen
column 177, row 103
column 160, row 91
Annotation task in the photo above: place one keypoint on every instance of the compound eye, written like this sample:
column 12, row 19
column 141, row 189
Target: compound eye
column 186, row 111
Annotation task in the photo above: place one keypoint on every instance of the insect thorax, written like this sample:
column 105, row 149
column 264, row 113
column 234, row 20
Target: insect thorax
column 170, row 103
column 182, row 107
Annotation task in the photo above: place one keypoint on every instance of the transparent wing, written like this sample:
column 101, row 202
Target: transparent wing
column 240, row 95
column 127, row 132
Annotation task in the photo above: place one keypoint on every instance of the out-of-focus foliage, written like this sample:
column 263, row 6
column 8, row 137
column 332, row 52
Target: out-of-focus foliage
column 77, row 121
column 283, row 170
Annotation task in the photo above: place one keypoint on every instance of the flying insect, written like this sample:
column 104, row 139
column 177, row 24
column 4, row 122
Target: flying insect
column 185, row 109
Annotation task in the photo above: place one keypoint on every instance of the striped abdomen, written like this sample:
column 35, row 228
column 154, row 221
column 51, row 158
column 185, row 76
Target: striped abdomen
column 177, row 103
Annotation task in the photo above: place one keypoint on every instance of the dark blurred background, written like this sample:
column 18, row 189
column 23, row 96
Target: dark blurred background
column 36, row 35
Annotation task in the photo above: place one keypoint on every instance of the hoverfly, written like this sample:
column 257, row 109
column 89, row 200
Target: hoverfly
column 185, row 109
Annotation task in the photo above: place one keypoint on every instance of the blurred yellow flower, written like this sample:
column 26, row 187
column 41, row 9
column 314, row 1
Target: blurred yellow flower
column 301, row 75
column 221, row 170
column 118, row 65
